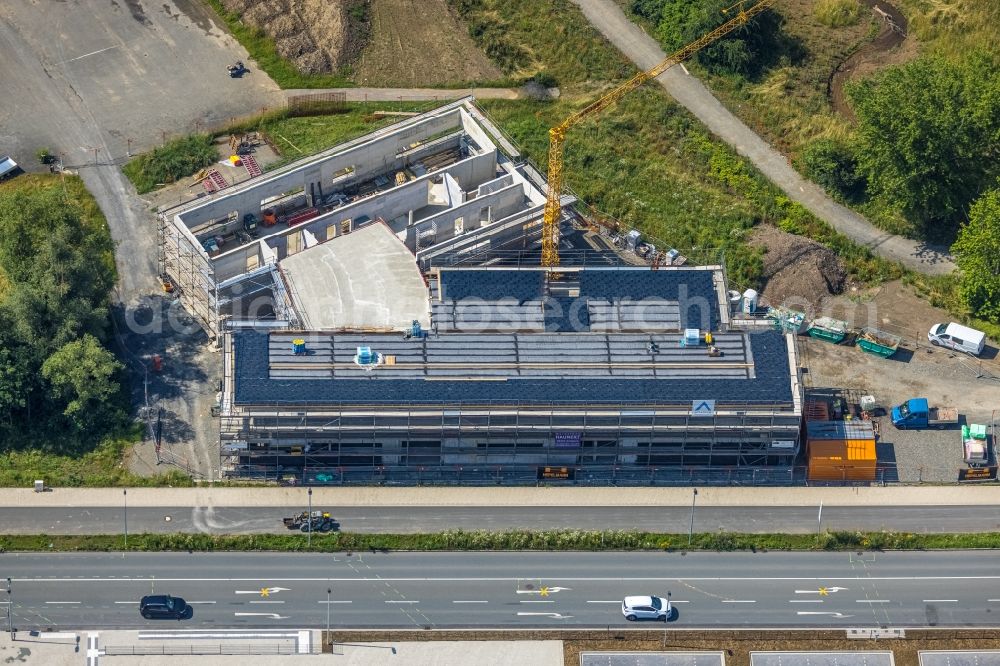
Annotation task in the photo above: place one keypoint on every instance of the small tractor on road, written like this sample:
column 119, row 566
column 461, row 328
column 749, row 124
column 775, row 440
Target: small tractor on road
column 321, row 521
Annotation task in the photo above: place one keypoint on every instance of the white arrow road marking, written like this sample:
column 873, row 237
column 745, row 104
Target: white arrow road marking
column 273, row 616
column 557, row 616
column 823, row 613
column 545, row 590
column 822, row 590
column 264, row 591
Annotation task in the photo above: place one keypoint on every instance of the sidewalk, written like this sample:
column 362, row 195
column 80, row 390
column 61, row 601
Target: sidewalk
column 503, row 497
column 239, row 647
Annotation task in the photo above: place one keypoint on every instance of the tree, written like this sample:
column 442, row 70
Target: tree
column 832, row 164
column 927, row 136
column 83, row 375
column 748, row 50
column 977, row 252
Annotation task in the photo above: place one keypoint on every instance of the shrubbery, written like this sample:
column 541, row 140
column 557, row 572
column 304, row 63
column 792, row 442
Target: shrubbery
column 170, row 162
column 60, row 387
column 832, row 165
column 558, row 540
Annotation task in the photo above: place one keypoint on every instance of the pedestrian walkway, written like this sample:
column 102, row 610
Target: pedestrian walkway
column 367, row 496
column 237, row 647
column 408, row 94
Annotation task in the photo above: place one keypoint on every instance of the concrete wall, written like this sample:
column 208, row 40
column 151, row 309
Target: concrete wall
column 377, row 155
column 473, row 213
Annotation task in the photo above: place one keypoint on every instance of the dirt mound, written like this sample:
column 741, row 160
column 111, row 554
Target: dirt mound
column 318, row 36
column 797, row 271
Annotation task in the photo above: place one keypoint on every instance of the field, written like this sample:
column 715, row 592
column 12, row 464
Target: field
column 420, row 43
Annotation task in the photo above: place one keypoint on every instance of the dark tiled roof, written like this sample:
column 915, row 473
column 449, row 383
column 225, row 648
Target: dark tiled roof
column 693, row 289
column 253, row 385
column 492, row 285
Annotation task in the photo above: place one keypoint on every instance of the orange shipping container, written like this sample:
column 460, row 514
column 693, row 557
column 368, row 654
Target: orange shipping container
column 842, row 459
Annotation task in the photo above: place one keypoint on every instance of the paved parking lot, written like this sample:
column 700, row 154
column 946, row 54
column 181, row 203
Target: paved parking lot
column 134, row 69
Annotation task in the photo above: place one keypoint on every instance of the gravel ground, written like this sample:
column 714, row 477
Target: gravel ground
column 918, row 370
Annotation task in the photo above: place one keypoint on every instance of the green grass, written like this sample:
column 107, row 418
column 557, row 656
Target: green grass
column 838, row 13
column 101, row 467
column 261, row 48
column 674, row 182
column 549, row 40
column 954, row 27
column 174, row 160
column 481, row 540
column 296, row 137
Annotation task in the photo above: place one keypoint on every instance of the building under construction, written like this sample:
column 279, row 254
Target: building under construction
column 445, row 183
column 400, row 333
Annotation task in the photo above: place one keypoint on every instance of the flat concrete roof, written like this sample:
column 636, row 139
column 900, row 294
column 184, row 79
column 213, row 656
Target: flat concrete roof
column 959, row 657
column 365, row 280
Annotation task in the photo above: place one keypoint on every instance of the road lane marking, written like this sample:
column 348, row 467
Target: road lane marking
column 87, row 55
column 273, row 616
column 830, row 613
column 615, row 601
column 872, row 601
column 823, row 591
column 993, row 600
column 469, row 601
column 556, row 616
column 267, row 602
column 537, row 601
column 200, row 602
column 63, row 602
column 940, row 601
column 805, row 601
column 333, row 601
column 739, row 601
column 130, row 602
column 655, row 579
column 400, row 601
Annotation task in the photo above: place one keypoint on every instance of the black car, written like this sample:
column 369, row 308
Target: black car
column 163, row 606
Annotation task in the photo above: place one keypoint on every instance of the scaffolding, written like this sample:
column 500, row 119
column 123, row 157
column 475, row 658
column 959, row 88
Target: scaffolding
column 405, row 442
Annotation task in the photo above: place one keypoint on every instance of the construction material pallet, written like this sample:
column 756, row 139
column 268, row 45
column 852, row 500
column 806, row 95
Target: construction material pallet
column 250, row 164
column 214, row 181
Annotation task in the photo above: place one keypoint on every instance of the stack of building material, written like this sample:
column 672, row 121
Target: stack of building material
column 841, row 450
column 250, row 164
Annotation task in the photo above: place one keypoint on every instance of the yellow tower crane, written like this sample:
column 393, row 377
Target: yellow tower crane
column 557, row 134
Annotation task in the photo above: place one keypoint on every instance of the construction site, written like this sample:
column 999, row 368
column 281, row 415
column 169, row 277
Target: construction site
column 384, row 316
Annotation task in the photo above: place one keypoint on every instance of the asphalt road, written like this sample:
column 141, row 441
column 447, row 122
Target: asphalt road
column 258, row 520
column 76, row 591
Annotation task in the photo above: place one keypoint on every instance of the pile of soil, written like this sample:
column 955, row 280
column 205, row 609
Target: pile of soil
column 797, row 270
column 318, row 36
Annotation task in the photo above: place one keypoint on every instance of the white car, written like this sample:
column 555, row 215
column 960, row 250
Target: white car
column 646, row 608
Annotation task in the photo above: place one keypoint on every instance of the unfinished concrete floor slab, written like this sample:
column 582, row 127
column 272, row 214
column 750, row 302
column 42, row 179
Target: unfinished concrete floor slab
column 365, row 280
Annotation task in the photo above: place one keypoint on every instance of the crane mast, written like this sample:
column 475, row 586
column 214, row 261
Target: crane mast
column 557, row 134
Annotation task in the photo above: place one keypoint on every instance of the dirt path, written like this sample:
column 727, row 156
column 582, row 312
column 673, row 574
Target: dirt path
column 643, row 50
column 871, row 55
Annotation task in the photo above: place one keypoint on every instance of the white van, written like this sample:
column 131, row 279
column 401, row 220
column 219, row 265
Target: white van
column 957, row 337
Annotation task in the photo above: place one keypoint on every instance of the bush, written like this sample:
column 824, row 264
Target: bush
column 168, row 163
column 837, row 13
column 832, row 165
